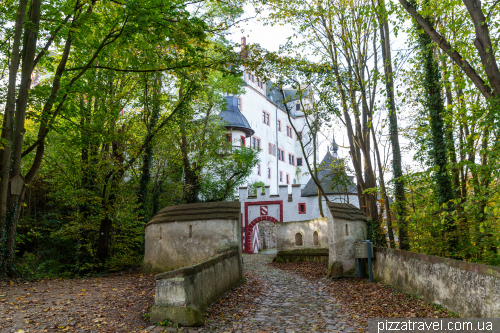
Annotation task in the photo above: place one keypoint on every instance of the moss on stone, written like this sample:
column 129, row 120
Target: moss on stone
column 302, row 255
column 184, row 315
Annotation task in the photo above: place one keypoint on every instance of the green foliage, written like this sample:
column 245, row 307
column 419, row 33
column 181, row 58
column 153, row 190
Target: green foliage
column 252, row 188
column 119, row 126
column 223, row 176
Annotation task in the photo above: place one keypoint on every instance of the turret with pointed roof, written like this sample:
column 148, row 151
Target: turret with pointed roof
column 326, row 177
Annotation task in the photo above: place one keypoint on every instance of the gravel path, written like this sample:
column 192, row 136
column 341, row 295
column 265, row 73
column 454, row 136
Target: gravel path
column 290, row 304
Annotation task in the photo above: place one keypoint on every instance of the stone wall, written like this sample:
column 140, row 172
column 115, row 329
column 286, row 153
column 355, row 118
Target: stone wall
column 473, row 290
column 267, row 235
column 183, row 295
column 183, row 235
column 286, row 232
column 346, row 225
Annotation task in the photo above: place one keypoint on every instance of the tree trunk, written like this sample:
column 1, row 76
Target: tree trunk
column 147, row 160
column 29, row 52
column 438, row 151
column 384, row 192
column 397, row 170
column 8, row 124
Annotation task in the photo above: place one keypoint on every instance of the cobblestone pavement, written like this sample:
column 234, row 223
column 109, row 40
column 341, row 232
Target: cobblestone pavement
column 291, row 304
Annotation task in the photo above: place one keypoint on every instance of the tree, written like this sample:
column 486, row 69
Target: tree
column 64, row 42
column 397, row 171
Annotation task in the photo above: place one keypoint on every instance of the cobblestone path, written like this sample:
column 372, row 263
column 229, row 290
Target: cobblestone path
column 291, row 304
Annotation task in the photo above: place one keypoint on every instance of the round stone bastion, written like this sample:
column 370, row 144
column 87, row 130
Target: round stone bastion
column 184, row 235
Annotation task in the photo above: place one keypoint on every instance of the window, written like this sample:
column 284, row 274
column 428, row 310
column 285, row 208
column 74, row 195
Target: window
column 302, row 208
column 239, row 104
column 299, row 161
column 228, row 138
column 279, row 125
column 298, row 239
column 281, row 155
column 272, row 149
column 242, row 141
column 265, row 117
column 258, row 169
column 297, row 107
column 291, row 159
column 269, row 173
column 190, row 231
column 253, row 78
column 299, row 135
column 255, row 143
column 315, row 238
column 287, row 179
column 281, row 176
column 346, row 230
column 289, row 131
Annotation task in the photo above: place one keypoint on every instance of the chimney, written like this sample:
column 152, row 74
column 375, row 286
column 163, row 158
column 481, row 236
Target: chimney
column 243, row 45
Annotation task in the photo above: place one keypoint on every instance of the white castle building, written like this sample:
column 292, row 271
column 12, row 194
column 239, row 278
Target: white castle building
column 258, row 119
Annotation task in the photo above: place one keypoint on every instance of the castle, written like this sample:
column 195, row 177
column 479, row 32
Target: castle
column 259, row 120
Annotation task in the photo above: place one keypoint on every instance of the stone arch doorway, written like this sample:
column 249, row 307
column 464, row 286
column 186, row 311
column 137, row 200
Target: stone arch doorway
column 255, row 237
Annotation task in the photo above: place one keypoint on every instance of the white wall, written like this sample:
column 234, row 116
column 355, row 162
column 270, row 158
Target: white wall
column 253, row 103
column 290, row 208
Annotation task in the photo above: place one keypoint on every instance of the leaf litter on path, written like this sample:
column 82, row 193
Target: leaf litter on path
column 361, row 299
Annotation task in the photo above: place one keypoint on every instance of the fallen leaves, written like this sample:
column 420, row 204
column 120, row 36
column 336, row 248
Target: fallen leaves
column 361, row 299
column 238, row 302
column 308, row 270
column 113, row 303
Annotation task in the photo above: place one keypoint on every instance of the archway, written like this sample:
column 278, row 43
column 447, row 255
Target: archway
column 249, row 232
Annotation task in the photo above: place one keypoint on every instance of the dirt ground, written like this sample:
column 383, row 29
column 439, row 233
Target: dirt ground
column 120, row 302
column 115, row 303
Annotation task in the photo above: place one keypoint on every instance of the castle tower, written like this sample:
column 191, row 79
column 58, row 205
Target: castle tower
column 335, row 148
column 238, row 128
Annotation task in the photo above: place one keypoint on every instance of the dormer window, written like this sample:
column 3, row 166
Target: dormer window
column 297, row 107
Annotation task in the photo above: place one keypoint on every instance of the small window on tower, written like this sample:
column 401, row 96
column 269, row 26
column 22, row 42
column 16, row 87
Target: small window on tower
column 302, row 208
column 269, row 173
column 299, row 161
column 258, row 169
column 297, row 107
